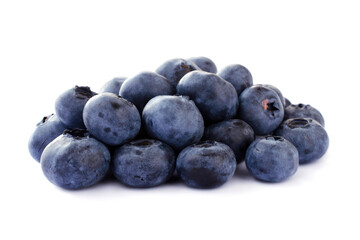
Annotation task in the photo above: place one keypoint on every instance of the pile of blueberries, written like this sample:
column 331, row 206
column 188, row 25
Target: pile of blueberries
column 183, row 120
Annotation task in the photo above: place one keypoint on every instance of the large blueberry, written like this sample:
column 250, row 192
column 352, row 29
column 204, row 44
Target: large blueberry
column 235, row 133
column 272, row 159
column 238, row 75
column 204, row 63
column 207, row 164
column 303, row 111
column 216, row 98
column 69, row 106
column 74, row 160
column 113, row 86
column 174, row 120
column 262, row 108
column 142, row 87
column 111, row 119
column 175, row 69
column 143, row 163
column 275, row 89
column 46, row 130
column 307, row 135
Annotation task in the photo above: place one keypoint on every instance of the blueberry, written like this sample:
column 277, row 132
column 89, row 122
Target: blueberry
column 175, row 69
column 70, row 104
column 143, row 87
column 261, row 108
column 74, row 160
column 303, row 111
column 46, row 130
column 207, row 164
column 174, row 120
column 235, row 133
column 272, row 159
column 111, row 119
column 143, row 163
column 238, row 75
column 113, row 86
column 287, row 102
column 275, row 89
column 204, row 63
column 307, row 135
column 216, row 98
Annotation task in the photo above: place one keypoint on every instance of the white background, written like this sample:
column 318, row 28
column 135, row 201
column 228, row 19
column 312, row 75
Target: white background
column 308, row 49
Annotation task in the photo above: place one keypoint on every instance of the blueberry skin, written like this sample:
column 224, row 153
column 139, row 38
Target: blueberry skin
column 204, row 63
column 111, row 119
column 143, row 163
column 275, row 89
column 70, row 104
column 49, row 128
column 113, row 86
column 272, row 159
column 174, row 120
column 175, row 69
column 207, row 164
column 287, row 102
column 238, row 75
column 142, row 87
column 235, row 133
column 261, row 108
column 216, row 98
column 307, row 135
column 74, row 160
column 303, row 111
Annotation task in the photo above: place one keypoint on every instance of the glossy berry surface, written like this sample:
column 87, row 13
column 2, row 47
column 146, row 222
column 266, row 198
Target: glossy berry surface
column 307, row 135
column 216, row 98
column 74, row 160
column 238, row 75
column 174, row 120
column 207, row 164
column 204, row 63
column 111, row 119
column 143, row 163
column 303, row 111
column 113, row 86
column 272, row 159
column 261, row 108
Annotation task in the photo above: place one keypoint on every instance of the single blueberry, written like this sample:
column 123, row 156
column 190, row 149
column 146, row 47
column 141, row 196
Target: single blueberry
column 74, row 160
column 261, row 108
column 307, row 135
column 113, row 86
column 69, row 106
column 143, row 163
column 175, row 69
column 49, row 128
column 235, row 133
column 142, row 87
column 272, row 159
column 238, row 75
column 174, row 120
column 111, row 119
column 207, row 164
column 204, row 63
column 216, row 98
column 303, row 111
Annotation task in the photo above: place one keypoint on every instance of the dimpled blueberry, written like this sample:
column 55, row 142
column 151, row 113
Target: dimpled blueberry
column 46, row 130
column 69, row 106
column 275, row 89
column 303, row 111
column 235, row 133
column 111, row 119
column 272, row 159
column 261, row 108
column 207, row 164
column 113, row 86
column 142, row 87
column 174, row 120
column 216, row 98
column 175, row 69
column 204, row 63
column 143, row 163
column 74, row 160
column 238, row 75
column 307, row 135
